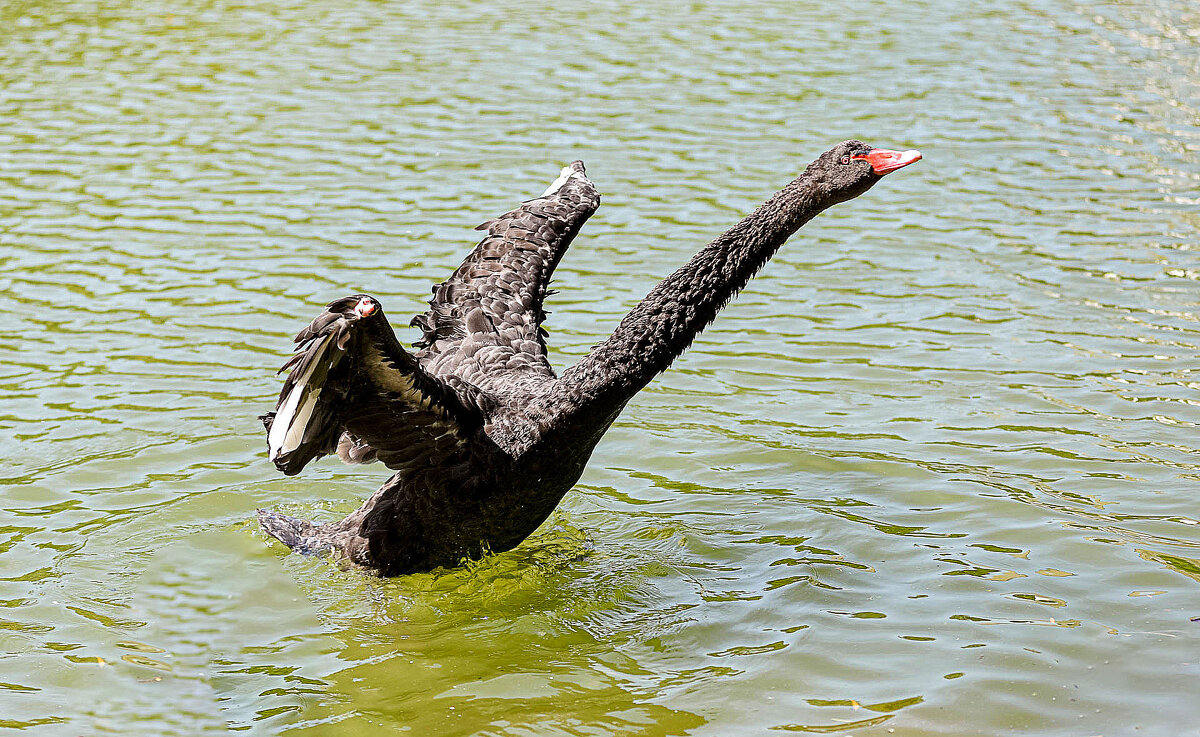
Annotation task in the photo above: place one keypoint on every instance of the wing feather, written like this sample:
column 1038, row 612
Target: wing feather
column 499, row 289
column 355, row 391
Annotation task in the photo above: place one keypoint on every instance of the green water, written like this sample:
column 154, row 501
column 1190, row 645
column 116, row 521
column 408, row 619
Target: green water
column 933, row 473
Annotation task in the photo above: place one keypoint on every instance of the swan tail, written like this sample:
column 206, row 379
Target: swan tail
column 340, row 539
column 300, row 535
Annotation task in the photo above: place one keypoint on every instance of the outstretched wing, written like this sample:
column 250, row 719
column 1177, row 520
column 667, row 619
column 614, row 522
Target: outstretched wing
column 355, row 391
column 493, row 301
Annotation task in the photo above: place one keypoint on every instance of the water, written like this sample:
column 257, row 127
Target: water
column 933, row 473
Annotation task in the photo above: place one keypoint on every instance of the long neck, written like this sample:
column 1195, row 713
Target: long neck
column 666, row 322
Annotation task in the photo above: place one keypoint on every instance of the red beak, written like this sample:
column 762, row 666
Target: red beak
column 882, row 160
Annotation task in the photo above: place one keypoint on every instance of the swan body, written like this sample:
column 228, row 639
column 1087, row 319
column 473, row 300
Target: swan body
column 484, row 438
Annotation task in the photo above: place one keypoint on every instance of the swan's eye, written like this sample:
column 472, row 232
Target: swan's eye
column 845, row 159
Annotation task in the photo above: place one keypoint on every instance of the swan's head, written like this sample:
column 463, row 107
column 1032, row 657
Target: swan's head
column 851, row 167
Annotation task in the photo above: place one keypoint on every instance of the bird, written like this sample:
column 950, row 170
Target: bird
column 485, row 439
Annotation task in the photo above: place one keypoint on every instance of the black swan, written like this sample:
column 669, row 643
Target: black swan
column 484, row 438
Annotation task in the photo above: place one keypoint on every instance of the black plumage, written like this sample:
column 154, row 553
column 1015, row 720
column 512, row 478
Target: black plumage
column 484, row 438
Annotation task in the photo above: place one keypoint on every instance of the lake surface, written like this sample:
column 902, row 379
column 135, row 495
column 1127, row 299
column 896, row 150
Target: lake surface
column 934, row 472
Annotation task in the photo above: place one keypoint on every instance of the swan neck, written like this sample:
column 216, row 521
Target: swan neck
column 668, row 319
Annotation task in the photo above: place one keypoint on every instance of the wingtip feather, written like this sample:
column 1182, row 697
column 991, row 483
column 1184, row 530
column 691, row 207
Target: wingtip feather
column 570, row 171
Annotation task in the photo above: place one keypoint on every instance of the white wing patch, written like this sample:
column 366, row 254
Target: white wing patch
column 563, row 177
column 287, row 430
column 362, row 395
